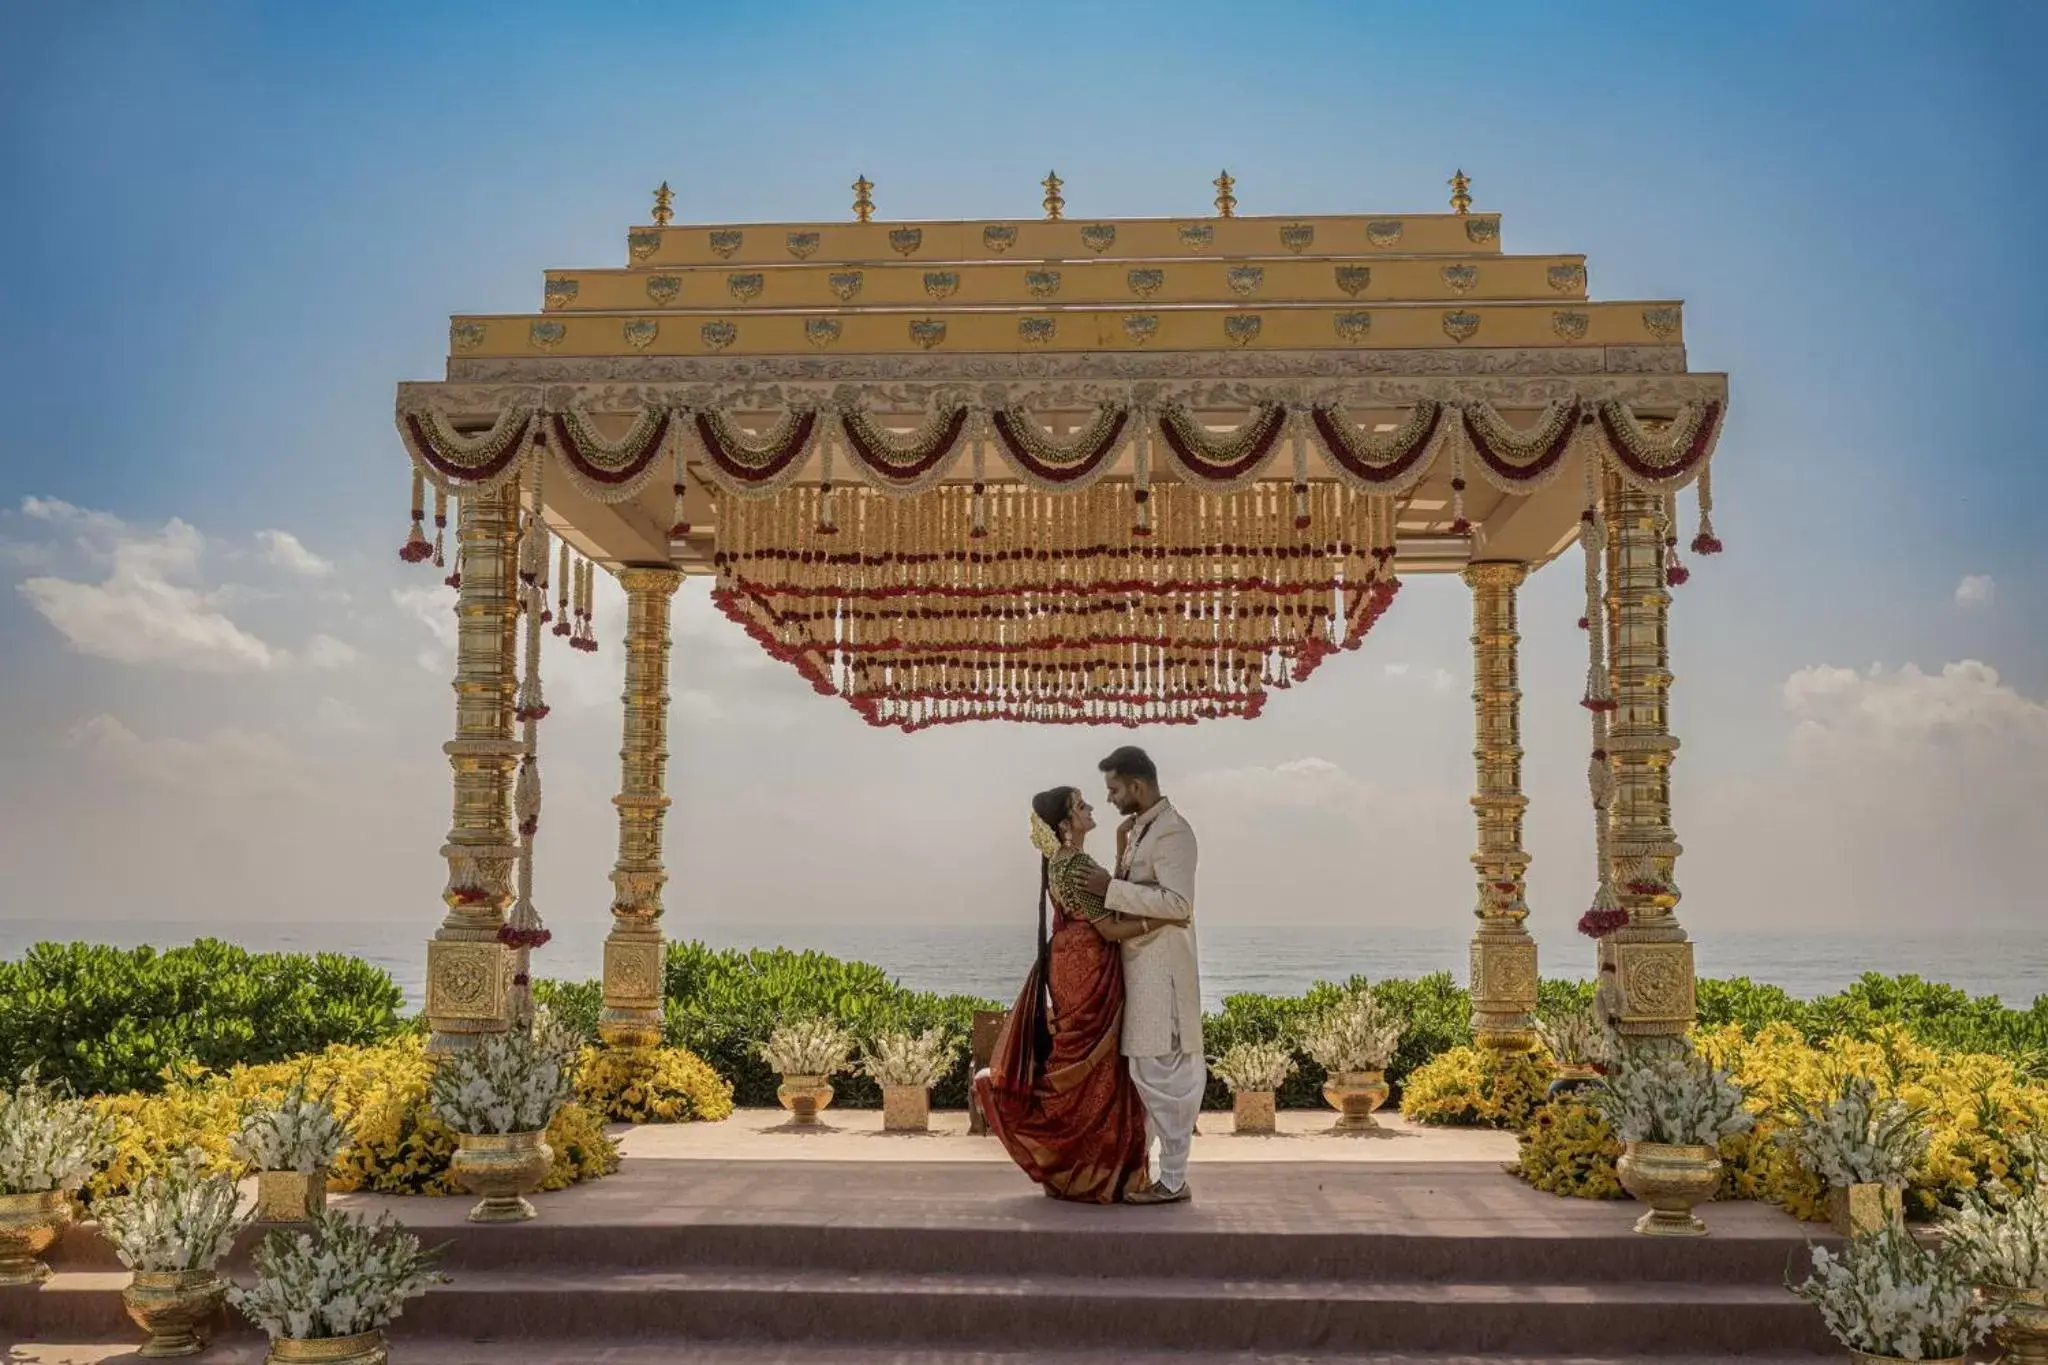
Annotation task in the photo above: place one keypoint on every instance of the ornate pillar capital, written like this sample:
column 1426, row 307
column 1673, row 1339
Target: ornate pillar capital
column 1503, row 982
column 638, row 578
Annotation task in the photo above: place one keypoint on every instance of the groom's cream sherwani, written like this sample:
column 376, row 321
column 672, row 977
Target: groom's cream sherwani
column 1162, row 1033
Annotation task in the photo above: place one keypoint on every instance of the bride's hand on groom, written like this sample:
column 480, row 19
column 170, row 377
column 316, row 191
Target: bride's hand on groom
column 1095, row 881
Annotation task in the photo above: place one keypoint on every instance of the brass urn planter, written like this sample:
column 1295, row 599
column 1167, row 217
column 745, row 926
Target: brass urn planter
column 290, row 1196
column 1571, row 1078
column 364, row 1348
column 2024, row 1334
column 1355, row 1095
column 1253, row 1112
column 805, row 1097
column 905, row 1108
column 1671, row 1179
column 172, row 1305
column 1857, row 1209
column 503, row 1168
column 29, row 1224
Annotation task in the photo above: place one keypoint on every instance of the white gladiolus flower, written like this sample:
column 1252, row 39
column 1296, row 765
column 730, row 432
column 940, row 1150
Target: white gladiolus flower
column 348, row 1276
column 908, row 1058
column 1890, row 1296
column 809, row 1047
column 514, row 1082
column 48, row 1141
column 1677, row 1099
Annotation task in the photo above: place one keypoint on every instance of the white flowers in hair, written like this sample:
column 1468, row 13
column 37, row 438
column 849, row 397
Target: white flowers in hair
column 183, row 1219
column 300, row 1133
column 809, row 1047
column 514, row 1082
column 1358, row 1033
column 344, row 1277
column 49, row 1141
column 907, row 1058
column 1859, row 1140
column 1254, row 1068
column 1678, row 1099
column 1889, row 1296
column 2002, row 1239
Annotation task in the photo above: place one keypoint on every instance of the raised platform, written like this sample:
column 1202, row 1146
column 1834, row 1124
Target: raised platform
column 830, row 1257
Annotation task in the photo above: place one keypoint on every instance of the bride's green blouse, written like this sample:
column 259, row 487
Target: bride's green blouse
column 1069, row 865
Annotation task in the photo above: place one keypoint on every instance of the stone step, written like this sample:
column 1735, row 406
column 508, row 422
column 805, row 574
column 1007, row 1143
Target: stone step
column 987, row 1311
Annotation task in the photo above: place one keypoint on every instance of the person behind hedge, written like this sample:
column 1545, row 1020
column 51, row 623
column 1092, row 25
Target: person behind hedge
column 1056, row 1093
column 1162, row 1032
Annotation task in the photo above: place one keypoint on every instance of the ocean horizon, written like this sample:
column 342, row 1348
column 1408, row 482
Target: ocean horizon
column 990, row 960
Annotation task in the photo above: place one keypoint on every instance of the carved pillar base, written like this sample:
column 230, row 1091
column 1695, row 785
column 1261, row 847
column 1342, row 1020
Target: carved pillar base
column 633, row 956
column 1503, row 981
column 469, row 973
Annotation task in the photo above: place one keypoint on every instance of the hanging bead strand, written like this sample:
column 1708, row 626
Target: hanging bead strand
column 417, row 548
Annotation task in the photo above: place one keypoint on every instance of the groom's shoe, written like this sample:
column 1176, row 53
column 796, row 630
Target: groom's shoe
column 1159, row 1194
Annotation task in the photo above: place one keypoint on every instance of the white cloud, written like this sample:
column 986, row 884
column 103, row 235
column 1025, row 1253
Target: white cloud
column 284, row 550
column 149, row 606
column 1842, row 712
column 433, row 608
column 228, row 762
column 334, row 716
column 1976, row 590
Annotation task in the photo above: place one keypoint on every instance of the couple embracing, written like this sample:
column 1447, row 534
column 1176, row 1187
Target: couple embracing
column 1101, row 1059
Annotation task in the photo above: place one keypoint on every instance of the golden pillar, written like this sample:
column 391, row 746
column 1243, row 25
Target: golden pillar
column 633, row 949
column 468, row 970
column 1650, row 959
column 1503, row 953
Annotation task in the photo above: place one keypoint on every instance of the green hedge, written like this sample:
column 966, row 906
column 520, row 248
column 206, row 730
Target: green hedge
column 104, row 1020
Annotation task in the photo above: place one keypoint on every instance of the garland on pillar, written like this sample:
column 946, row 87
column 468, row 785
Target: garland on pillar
column 523, row 930
column 416, row 549
column 1675, row 572
column 1606, row 914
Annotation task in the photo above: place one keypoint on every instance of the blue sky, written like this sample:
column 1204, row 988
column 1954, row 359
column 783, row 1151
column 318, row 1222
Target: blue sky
column 233, row 228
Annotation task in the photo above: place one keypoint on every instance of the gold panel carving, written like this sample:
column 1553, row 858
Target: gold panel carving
column 1099, row 237
column 802, row 245
column 718, row 335
column 746, row 287
column 1504, row 976
column 1036, row 331
column 632, row 972
column 941, row 284
column 466, row 982
column 560, row 292
column 640, row 333
column 1384, row 232
column 905, row 241
column 1569, row 324
column 1243, row 328
column 999, row 238
column 643, row 244
column 1567, row 279
column 1461, row 326
column 726, row 241
column 1656, row 982
column 845, row 284
column 1354, row 279
column 1661, row 323
column 662, row 289
column 1245, row 280
column 546, row 336
column 1297, row 237
column 1197, row 236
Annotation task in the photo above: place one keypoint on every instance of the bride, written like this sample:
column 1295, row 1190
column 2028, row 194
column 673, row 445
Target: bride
column 1056, row 1092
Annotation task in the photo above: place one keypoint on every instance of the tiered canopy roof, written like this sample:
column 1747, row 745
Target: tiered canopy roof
column 1087, row 469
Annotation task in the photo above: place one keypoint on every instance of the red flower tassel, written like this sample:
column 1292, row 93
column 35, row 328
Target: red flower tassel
column 1706, row 544
column 1600, row 923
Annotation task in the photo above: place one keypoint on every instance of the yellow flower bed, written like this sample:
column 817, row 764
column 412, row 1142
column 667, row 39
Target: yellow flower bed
column 655, row 1085
column 398, row 1146
column 1977, row 1109
column 1568, row 1149
column 1477, row 1088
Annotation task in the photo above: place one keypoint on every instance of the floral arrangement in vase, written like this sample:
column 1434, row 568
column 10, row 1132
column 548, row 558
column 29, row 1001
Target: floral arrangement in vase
column 1889, row 1296
column 1353, row 1041
column 50, row 1145
column 2001, row 1241
column 292, row 1144
column 1864, row 1149
column 1254, row 1071
column 338, row 1284
column 806, row 1054
column 906, row 1065
column 172, row 1230
column 1672, row 1108
column 1581, row 1045
column 499, row 1096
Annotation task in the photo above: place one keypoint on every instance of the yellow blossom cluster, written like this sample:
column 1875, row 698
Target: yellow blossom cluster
column 397, row 1146
column 1569, row 1149
column 1477, row 1088
column 652, row 1085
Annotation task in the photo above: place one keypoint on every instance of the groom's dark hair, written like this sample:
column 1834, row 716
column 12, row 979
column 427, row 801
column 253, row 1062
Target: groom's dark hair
column 1131, row 761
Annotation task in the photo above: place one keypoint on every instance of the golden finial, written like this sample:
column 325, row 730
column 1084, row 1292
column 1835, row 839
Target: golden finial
column 863, row 199
column 1461, row 193
column 1055, row 207
column 1226, row 202
column 664, row 205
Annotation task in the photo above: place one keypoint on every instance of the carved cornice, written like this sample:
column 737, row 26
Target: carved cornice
column 1076, row 367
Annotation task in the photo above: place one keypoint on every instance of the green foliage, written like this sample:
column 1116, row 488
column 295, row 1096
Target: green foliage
column 109, row 1020
column 722, row 1004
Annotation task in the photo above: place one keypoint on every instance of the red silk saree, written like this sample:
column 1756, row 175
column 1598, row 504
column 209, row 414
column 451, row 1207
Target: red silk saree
column 1057, row 1093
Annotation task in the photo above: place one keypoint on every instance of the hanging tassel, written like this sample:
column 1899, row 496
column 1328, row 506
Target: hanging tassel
column 1460, row 525
column 1141, row 477
column 562, row 576
column 417, row 548
column 440, row 523
column 1300, row 442
column 1593, row 537
column 454, row 580
column 1605, row 915
column 978, row 515
column 1675, row 572
column 1706, row 542
column 678, row 527
column 826, row 525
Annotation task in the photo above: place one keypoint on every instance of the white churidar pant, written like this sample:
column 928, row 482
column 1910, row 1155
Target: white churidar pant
column 1171, row 1087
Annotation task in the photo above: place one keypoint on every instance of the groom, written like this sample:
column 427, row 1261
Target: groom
column 1162, row 1034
